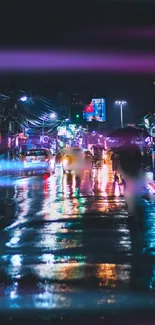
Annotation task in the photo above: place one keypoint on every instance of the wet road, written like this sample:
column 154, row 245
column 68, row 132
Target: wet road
column 66, row 245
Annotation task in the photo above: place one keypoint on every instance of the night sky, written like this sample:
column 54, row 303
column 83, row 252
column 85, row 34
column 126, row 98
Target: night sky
column 115, row 27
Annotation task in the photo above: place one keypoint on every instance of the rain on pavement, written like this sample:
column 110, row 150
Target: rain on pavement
column 67, row 244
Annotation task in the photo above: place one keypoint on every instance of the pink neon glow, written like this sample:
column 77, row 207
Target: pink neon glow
column 145, row 33
column 76, row 61
column 142, row 33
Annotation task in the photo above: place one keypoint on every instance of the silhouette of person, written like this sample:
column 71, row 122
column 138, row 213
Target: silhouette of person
column 129, row 165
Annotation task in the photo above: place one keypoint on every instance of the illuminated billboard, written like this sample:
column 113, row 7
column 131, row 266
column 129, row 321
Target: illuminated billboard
column 61, row 130
column 67, row 131
column 96, row 110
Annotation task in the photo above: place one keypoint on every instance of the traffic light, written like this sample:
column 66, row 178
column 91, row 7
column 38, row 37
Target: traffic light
column 77, row 115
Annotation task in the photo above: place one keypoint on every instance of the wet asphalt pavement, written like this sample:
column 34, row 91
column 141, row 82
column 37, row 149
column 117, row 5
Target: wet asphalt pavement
column 68, row 247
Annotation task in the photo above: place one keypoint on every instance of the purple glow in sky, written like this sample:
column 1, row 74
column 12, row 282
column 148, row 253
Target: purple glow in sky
column 57, row 61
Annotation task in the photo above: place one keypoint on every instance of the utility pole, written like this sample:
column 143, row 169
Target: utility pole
column 43, row 129
column 121, row 108
column 152, row 145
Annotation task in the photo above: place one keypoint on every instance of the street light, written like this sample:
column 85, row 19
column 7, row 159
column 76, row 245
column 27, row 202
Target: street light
column 52, row 115
column 23, row 98
column 121, row 103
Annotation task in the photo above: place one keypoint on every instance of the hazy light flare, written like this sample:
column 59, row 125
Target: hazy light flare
column 78, row 61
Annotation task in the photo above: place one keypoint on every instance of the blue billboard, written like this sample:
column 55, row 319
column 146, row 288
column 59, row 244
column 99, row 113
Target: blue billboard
column 95, row 111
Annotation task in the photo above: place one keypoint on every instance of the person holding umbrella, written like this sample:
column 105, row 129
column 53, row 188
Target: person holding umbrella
column 128, row 160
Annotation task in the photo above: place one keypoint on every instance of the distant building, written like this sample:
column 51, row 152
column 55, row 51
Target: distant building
column 72, row 101
column 62, row 99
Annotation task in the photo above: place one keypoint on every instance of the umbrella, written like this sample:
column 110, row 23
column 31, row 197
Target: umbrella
column 129, row 132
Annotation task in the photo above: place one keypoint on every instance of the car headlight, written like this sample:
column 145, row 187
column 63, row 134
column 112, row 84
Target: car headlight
column 65, row 162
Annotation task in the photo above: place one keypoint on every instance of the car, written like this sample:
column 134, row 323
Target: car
column 38, row 161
